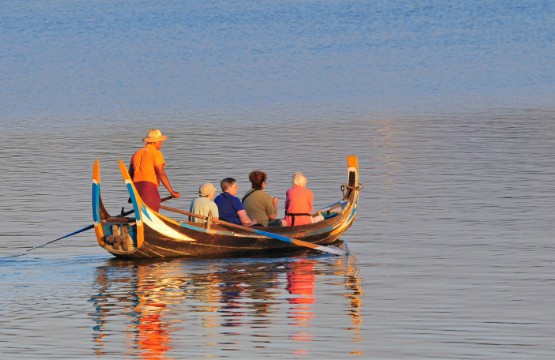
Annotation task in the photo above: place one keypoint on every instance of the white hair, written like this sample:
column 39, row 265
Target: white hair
column 299, row 179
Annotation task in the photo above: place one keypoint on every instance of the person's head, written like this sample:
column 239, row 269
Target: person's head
column 299, row 179
column 155, row 137
column 257, row 178
column 207, row 190
column 229, row 185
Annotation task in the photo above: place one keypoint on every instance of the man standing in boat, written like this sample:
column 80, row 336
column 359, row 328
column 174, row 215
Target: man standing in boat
column 147, row 170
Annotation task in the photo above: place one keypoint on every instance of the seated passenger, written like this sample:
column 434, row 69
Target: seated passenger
column 259, row 205
column 230, row 207
column 298, row 202
column 204, row 203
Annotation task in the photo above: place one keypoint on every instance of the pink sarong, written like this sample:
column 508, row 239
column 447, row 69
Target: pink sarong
column 149, row 193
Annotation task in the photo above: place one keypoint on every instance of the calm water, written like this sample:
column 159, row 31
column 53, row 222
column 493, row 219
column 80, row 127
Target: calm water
column 448, row 106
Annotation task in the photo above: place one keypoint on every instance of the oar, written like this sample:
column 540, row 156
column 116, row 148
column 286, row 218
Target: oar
column 329, row 249
column 62, row 237
column 88, row 227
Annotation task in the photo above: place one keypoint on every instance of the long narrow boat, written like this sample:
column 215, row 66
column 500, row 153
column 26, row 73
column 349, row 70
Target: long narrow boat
column 149, row 234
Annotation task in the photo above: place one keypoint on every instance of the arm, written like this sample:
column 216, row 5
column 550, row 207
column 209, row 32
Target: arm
column 286, row 201
column 215, row 211
column 273, row 214
column 245, row 220
column 310, row 201
column 161, row 173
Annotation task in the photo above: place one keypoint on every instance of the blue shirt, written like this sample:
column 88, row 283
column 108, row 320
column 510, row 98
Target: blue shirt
column 228, row 206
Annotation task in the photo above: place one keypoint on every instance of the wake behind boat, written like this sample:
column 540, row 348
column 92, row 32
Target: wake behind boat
column 150, row 234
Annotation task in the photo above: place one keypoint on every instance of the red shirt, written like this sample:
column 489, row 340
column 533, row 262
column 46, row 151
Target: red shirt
column 298, row 200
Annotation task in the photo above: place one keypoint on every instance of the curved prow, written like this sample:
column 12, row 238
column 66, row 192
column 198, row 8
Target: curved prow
column 352, row 181
column 98, row 210
column 138, row 205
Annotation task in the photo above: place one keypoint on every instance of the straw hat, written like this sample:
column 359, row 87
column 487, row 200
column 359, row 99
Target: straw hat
column 206, row 189
column 154, row 135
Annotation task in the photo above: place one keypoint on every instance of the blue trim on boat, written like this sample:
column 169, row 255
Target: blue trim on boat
column 354, row 210
column 133, row 200
column 96, row 202
column 211, row 231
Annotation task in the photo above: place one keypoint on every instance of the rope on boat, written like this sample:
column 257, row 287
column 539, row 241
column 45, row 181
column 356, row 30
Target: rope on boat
column 345, row 188
column 358, row 188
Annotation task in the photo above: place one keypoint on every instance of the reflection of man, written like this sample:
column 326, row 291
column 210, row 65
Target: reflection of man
column 150, row 333
column 153, row 338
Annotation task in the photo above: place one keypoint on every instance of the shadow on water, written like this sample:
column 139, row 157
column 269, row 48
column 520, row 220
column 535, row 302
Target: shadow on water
column 151, row 306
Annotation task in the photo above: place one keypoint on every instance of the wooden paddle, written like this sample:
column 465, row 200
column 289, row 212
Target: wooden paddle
column 329, row 249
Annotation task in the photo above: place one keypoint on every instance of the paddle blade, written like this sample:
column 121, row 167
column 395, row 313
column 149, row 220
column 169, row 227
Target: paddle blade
column 331, row 250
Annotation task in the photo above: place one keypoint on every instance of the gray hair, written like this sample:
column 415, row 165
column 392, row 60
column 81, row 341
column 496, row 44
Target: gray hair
column 227, row 183
column 299, row 179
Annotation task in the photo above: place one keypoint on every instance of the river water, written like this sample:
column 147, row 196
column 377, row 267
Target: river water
column 449, row 108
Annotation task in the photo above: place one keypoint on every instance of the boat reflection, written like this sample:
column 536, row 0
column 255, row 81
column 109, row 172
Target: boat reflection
column 355, row 292
column 151, row 309
column 143, row 294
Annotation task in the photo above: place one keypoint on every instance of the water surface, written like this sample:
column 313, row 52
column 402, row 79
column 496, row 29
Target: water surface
column 448, row 107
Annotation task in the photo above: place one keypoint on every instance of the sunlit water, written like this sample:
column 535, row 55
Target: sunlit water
column 452, row 249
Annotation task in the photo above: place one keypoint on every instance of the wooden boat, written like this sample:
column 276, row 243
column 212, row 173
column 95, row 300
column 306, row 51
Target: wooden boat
column 150, row 234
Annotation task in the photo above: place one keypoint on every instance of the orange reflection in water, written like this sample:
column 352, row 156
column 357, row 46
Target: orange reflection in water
column 153, row 337
column 150, row 298
column 301, row 284
column 151, row 290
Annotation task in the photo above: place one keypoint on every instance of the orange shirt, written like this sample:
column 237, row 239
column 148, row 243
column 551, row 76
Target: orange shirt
column 144, row 161
column 298, row 200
